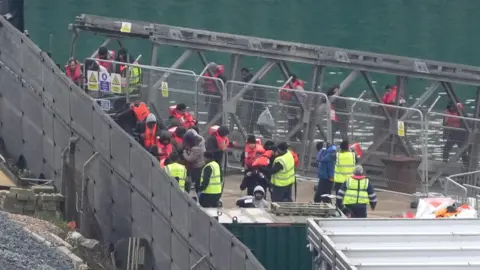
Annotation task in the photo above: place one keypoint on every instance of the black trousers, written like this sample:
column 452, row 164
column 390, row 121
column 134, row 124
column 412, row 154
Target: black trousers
column 209, row 200
column 357, row 210
column 449, row 143
column 337, row 187
column 324, row 187
column 195, row 175
column 282, row 194
column 214, row 105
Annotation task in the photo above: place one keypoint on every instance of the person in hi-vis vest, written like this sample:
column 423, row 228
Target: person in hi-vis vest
column 177, row 171
column 283, row 174
column 210, row 182
column 344, row 165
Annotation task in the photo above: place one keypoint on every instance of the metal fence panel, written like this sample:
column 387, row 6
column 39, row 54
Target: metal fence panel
column 101, row 134
column 120, row 152
column 200, row 230
column 180, row 252
column 238, row 255
column 141, row 217
column 32, row 145
column 48, row 147
column 140, row 166
column 220, row 245
column 122, row 210
column 161, row 241
column 81, row 114
column 12, row 124
column 208, row 101
column 161, row 193
column 58, row 94
column 102, row 196
column 180, row 204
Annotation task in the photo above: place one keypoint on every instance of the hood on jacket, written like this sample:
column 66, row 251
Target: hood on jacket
column 193, row 139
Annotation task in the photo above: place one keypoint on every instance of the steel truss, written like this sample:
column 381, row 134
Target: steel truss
column 281, row 52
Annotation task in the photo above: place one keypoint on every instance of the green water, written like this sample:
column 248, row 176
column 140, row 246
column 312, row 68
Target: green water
column 432, row 29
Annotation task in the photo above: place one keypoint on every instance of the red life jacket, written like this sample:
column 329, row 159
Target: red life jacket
column 210, row 84
column 357, row 149
column 295, row 158
column 452, row 121
column 110, row 57
column 333, row 114
column 263, row 160
column 186, row 119
column 390, row 96
column 164, row 150
column 286, row 95
column 76, row 75
column 162, row 162
column 252, row 154
column 174, row 136
column 213, row 129
column 222, row 142
column 141, row 111
column 150, row 136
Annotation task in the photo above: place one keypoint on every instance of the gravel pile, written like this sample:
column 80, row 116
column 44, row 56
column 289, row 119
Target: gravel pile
column 19, row 250
column 38, row 226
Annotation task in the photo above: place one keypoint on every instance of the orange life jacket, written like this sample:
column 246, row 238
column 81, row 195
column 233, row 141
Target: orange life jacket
column 213, row 129
column 141, row 111
column 295, row 158
column 263, row 160
column 286, row 95
column 174, row 136
column 357, row 148
column 186, row 119
column 150, row 136
column 252, row 154
column 164, row 150
column 222, row 142
column 162, row 162
column 110, row 57
column 76, row 75
column 210, row 84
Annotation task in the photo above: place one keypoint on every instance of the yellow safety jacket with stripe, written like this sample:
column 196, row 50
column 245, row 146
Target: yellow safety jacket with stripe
column 215, row 184
column 286, row 176
column 177, row 170
column 344, row 166
column 356, row 192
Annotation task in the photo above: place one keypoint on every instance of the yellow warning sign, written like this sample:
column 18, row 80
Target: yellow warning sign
column 126, row 27
column 401, row 129
column 165, row 89
column 116, row 83
column 92, row 84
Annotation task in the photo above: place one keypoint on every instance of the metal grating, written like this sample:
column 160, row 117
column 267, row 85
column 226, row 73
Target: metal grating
column 391, row 244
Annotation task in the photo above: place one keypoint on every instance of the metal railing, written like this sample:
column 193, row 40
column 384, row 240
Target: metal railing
column 464, row 188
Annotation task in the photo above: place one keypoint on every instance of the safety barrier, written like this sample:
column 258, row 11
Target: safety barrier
column 40, row 109
column 464, row 188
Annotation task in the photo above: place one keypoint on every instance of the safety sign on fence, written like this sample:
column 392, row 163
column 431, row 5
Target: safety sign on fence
column 116, row 86
column 401, row 129
column 164, row 89
column 104, row 81
column 104, row 104
column 92, row 83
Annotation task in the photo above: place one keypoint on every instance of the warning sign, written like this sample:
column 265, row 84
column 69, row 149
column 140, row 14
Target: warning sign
column 116, row 85
column 92, row 84
column 401, row 129
column 126, row 27
column 164, row 89
column 104, row 81
column 104, row 104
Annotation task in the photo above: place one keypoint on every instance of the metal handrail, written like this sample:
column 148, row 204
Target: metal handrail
column 449, row 179
column 351, row 111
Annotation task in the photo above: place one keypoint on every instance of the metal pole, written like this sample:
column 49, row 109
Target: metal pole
column 70, row 192
column 352, row 116
column 84, row 226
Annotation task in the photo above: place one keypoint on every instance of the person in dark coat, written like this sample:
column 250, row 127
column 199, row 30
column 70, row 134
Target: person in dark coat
column 217, row 144
column 326, row 171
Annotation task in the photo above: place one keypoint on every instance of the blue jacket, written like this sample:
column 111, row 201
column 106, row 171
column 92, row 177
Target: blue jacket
column 326, row 159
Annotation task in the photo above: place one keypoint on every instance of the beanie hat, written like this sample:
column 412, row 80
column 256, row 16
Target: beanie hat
column 223, row 131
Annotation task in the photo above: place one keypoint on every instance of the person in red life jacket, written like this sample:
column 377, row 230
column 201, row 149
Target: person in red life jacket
column 293, row 101
column 295, row 157
column 339, row 113
column 218, row 142
column 149, row 136
column 180, row 113
column 164, row 145
column 177, row 134
column 213, row 100
column 263, row 164
column 357, row 149
column 105, row 54
column 390, row 96
column 454, row 132
column 74, row 71
column 251, row 179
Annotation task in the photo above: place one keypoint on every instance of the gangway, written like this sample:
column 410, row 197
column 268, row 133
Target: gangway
column 280, row 53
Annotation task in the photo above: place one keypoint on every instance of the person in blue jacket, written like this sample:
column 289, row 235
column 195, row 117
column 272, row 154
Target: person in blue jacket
column 326, row 158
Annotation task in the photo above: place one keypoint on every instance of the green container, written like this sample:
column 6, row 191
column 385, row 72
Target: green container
column 276, row 246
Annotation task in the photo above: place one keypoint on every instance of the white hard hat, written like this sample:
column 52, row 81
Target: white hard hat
column 259, row 189
column 151, row 118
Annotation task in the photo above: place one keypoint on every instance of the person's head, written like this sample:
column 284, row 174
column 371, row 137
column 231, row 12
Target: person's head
column 388, row 88
column 72, row 63
column 282, row 148
column 332, row 90
column 258, row 193
column 164, row 137
column 212, row 67
column 208, row 155
column 358, row 171
column 245, row 73
column 251, row 142
column 151, row 120
column 181, row 107
column 294, row 78
column 269, row 145
column 122, row 54
column 223, row 131
column 189, row 140
column 173, row 157
column 180, row 132
column 92, row 65
column 103, row 52
column 344, row 145
column 196, row 129
column 319, row 146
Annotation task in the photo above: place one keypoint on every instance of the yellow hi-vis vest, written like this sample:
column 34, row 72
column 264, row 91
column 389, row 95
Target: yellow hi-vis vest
column 177, row 170
column 215, row 184
column 286, row 176
column 356, row 191
column 344, row 166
